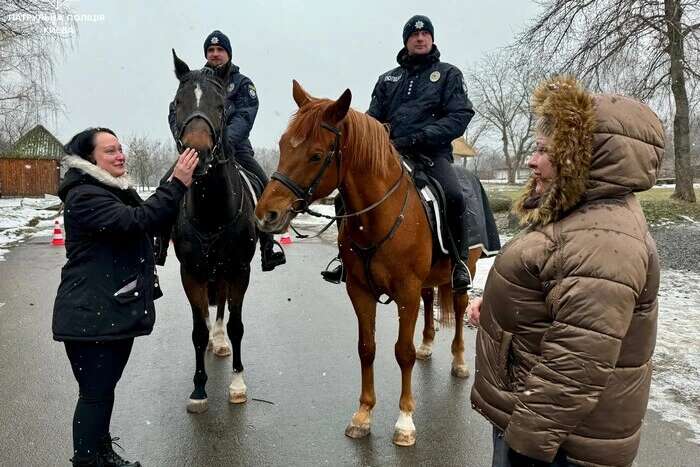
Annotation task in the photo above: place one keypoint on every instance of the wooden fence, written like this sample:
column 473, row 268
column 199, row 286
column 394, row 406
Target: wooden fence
column 29, row 177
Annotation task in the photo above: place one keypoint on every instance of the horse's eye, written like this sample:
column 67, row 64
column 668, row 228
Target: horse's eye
column 316, row 157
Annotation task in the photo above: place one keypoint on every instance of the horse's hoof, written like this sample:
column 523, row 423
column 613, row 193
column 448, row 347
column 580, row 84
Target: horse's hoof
column 197, row 405
column 404, row 437
column 222, row 350
column 357, row 432
column 423, row 352
column 237, row 397
column 460, row 371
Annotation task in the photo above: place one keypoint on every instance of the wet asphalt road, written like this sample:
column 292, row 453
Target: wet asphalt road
column 299, row 351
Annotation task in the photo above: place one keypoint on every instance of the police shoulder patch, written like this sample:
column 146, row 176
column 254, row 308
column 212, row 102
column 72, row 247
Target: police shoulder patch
column 434, row 76
column 252, row 92
column 231, row 87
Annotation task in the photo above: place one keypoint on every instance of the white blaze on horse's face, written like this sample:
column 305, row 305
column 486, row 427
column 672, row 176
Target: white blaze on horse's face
column 198, row 94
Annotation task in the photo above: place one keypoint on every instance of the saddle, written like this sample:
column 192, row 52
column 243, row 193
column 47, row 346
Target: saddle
column 434, row 203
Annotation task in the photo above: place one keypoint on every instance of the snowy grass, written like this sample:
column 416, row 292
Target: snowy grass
column 21, row 218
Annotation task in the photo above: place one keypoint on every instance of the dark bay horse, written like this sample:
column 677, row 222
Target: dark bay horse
column 327, row 146
column 215, row 233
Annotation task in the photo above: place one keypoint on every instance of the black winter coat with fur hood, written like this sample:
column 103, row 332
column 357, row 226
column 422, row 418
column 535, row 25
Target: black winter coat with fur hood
column 107, row 284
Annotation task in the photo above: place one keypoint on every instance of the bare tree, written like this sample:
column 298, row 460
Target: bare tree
column 655, row 42
column 149, row 159
column 501, row 87
column 32, row 32
column 268, row 158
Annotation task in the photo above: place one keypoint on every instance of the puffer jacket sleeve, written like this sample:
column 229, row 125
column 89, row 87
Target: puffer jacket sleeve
column 241, row 110
column 457, row 113
column 97, row 210
column 377, row 106
column 592, row 306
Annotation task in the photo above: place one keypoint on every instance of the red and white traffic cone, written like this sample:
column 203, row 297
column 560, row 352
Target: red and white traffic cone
column 57, row 239
column 286, row 239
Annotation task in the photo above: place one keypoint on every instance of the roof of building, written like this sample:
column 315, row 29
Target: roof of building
column 37, row 143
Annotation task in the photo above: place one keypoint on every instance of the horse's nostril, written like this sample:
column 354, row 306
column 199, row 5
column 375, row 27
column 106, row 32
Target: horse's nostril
column 271, row 216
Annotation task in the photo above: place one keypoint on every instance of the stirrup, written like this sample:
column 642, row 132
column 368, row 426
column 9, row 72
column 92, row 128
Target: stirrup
column 462, row 289
column 331, row 275
column 275, row 258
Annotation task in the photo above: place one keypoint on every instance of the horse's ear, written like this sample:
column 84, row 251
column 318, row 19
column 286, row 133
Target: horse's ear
column 181, row 68
column 301, row 97
column 338, row 109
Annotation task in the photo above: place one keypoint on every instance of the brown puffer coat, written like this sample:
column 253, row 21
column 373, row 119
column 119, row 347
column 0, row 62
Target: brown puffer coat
column 568, row 321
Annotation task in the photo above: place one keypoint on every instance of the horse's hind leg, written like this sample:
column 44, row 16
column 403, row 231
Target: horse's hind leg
column 365, row 309
column 220, row 346
column 425, row 349
column 459, row 366
column 237, row 390
column 197, row 295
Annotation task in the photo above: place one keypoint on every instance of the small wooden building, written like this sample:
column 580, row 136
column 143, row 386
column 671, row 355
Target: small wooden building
column 460, row 148
column 32, row 166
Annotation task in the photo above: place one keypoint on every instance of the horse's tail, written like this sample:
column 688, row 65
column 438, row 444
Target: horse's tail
column 446, row 316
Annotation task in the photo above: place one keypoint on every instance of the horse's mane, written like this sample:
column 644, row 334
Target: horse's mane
column 365, row 141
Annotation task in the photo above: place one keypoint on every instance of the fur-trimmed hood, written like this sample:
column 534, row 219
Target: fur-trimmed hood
column 603, row 146
column 88, row 168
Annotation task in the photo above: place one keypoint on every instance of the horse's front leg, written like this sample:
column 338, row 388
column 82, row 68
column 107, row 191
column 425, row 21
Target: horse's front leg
column 196, row 292
column 405, row 430
column 425, row 349
column 219, row 345
column 365, row 309
column 237, row 390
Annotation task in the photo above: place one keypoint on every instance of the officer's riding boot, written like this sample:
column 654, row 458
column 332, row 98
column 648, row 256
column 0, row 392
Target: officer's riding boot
column 108, row 457
column 461, row 278
column 335, row 275
column 270, row 258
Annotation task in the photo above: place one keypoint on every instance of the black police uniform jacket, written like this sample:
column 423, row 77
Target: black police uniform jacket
column 425, row 103
column 240, row 110
column 107, row 284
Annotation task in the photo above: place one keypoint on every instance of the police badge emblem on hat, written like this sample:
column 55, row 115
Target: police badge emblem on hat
column 419, row 24
column 435, row 76
column 214, row 40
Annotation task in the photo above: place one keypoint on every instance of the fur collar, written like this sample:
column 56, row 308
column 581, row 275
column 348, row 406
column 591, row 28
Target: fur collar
column 566, row 113
column 99, row 174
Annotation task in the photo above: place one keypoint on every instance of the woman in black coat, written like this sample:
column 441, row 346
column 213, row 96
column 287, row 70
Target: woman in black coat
column 106, row 294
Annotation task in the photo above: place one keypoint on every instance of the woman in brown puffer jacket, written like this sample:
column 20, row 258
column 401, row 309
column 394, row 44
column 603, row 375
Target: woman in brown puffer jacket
column 568, row 318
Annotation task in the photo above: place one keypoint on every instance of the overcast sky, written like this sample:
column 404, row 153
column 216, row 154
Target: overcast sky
column 119, row 72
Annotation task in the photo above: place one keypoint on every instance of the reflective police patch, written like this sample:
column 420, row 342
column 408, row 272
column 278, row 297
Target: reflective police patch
column 214, row 40
column 393, row 79
column 419, row 24
column 251, row 91
column 434, row 76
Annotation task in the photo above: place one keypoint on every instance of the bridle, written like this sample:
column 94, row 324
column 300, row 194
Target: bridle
column 304, row 195
column 217, row 151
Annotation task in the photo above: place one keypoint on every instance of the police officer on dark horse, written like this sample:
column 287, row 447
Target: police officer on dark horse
column 425, row 104
column 241, row 108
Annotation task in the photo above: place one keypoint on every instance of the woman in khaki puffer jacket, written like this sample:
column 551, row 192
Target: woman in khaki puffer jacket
column 568, row 319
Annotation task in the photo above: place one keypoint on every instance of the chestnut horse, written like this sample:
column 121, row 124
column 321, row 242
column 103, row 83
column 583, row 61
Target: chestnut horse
column 385, row 241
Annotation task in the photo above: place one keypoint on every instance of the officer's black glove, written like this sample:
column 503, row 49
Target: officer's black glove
column 518, row 460
column 406, row 143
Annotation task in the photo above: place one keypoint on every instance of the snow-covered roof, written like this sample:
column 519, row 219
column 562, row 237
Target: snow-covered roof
column 37, row 143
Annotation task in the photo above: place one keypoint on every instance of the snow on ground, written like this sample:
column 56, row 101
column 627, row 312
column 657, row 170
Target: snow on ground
column 21, row 218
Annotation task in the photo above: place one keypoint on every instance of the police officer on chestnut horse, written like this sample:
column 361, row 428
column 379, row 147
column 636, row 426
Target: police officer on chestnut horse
column 425, row 104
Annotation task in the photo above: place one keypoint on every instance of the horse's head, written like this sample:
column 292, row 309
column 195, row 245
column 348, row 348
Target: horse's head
column 310, row 160
column 199, row 110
